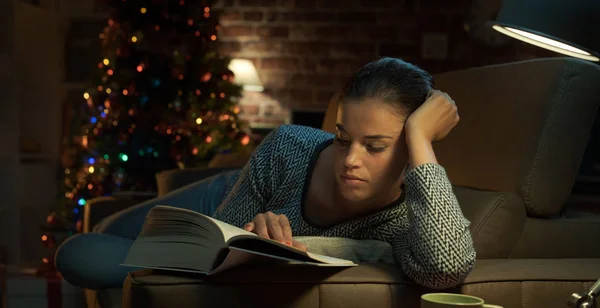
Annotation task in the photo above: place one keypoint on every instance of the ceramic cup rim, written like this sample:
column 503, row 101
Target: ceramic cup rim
column 480, row 301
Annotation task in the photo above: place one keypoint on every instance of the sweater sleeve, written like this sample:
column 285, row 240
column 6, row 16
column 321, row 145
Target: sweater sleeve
column 436, row 250
column 254, row 186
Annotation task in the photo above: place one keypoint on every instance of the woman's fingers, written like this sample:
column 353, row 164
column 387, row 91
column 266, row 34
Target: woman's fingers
column 260, row 226
column 298, row 245
column 274, row 227
column 285, row 229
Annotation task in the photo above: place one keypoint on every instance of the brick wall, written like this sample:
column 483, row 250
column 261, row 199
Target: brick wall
column 305, row 49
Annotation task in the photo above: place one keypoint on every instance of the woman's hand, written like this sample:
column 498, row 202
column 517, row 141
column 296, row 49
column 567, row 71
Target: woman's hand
column 273, row 226
column 434, row 119
column 431, row 122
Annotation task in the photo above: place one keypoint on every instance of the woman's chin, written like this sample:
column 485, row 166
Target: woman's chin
column 353, row 195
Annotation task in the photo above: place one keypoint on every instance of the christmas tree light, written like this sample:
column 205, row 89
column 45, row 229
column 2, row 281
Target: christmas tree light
column 162, row 98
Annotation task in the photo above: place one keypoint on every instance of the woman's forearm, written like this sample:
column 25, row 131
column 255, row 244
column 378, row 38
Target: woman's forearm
column 420, row 150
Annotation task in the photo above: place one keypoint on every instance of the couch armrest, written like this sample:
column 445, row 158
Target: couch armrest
column 99, row 208
column 170, row 180
column 497, row 220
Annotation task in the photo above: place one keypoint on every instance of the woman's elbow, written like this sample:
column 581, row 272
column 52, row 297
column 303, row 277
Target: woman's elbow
column 443, row 275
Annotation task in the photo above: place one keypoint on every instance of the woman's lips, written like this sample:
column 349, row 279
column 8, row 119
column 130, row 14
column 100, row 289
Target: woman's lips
column 352, row 180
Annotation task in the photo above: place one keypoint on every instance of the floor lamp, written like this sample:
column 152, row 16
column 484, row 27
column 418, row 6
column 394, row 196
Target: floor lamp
column 569, row 27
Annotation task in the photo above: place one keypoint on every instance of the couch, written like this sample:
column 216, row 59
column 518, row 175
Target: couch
column 513, row 160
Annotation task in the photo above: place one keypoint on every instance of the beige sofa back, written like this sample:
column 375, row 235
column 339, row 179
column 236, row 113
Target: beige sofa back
column 524, row 128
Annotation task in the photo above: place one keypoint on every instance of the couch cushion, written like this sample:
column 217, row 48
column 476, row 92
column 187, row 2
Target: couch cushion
column 497, row 220
column 529, row 283
column 567, row 237
column 524, row 128
column 375, row 285
column 516, row 283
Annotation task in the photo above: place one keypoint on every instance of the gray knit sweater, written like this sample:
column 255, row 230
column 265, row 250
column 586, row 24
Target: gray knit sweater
column 426, row 228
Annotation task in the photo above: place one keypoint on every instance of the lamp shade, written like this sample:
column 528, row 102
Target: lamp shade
column 568, row 27
column 245, row 74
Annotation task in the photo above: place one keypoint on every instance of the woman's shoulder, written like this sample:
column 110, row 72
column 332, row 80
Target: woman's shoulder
column 294, row 136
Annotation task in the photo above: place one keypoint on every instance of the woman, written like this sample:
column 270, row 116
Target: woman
column 376, row 178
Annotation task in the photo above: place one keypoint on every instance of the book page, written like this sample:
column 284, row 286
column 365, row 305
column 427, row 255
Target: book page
column 334, row 261
column 162, row 268
column 228, row 230
column 237, row 257
column 328, row 259
column 274, row 249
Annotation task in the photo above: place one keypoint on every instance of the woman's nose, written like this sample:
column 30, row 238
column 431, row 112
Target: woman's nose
column 352, row 158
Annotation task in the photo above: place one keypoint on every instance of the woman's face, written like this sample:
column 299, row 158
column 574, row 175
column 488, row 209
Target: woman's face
column 370, row 153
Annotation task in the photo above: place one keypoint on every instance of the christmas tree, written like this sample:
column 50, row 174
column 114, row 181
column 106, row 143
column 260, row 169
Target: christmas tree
column 162, row 98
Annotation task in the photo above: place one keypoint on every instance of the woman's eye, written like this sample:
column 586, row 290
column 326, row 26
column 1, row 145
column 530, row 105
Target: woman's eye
column 375, row 149
column 341, row 141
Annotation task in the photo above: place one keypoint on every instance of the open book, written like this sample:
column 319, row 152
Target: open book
column 183, row 240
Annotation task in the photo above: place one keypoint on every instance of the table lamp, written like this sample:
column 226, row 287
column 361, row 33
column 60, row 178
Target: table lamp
column 569, row 27
column 564, row 26
column 245, row 74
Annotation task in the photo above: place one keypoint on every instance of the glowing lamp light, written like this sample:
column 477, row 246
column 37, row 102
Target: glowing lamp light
column 563, row 26
column 246, row 75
